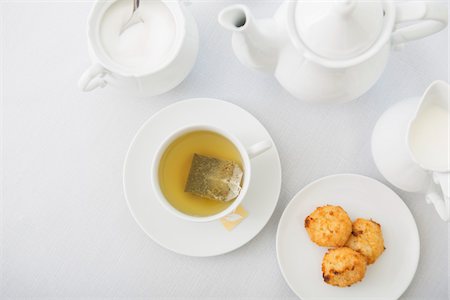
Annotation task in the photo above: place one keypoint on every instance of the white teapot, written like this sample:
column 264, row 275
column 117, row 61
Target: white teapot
column 411, row 146
column 329, row 51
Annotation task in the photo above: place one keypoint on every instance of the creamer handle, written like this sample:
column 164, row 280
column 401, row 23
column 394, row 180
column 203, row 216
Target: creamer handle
column 441, row 203
column 92, row 78
column 430, row 18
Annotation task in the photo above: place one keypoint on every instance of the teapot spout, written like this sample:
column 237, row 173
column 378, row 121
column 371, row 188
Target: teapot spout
column 254, row 42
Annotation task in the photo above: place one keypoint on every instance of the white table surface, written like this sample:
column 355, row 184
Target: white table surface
column 66, row 229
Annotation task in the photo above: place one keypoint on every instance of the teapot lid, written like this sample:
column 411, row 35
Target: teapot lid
column 338, row 29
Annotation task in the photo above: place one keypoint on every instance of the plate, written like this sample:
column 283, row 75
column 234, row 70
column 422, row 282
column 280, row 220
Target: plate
column 185, row 237
column 300, row 259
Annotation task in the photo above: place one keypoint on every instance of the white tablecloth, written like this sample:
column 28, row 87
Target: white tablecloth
column 66, row 229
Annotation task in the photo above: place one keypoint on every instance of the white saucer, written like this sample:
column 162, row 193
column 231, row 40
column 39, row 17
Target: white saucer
column 200, row 239
column 300, row 259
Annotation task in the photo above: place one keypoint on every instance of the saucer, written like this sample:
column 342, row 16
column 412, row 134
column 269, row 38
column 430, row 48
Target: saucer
column 200, row 239
column 362, row 197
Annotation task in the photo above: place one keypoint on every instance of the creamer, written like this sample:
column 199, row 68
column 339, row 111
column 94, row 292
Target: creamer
column 430, row 138
column 410, row 146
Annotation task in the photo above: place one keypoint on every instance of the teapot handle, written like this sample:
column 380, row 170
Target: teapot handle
column 430, row 18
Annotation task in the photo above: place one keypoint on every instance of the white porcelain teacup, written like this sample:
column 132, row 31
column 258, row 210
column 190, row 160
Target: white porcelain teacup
column 246, row 153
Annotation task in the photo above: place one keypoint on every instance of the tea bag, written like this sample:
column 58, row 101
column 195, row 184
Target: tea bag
column 214, row 178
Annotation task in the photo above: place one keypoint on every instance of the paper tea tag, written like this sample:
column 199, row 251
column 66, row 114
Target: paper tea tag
column 235, row 218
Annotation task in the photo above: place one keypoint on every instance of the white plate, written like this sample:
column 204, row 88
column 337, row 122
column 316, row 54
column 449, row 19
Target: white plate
column 300, row 259
column 200, row 239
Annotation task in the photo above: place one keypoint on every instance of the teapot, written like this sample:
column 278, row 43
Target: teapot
column 329, row 51
column 411, row 146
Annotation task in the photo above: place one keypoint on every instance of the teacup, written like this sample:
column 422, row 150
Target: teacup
column 246, row 154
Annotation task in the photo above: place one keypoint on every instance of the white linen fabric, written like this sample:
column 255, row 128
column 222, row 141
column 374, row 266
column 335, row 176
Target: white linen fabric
column 66, row 230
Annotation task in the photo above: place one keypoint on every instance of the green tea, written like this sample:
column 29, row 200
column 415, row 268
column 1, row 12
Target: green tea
column 175, row 165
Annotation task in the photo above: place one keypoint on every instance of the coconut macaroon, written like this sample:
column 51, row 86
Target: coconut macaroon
column 329, row 226
column 343, row 267
column 367, row 239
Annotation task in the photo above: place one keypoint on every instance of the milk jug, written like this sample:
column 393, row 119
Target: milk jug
column 411, row 146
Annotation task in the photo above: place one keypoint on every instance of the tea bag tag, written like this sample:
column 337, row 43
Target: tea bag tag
column 235, row 218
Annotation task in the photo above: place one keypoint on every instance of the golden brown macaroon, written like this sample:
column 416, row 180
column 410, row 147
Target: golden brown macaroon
column 367, row 239
column 329, row 226
column 343, row 267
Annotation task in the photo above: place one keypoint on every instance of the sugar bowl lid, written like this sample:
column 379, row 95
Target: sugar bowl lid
column 337, row 29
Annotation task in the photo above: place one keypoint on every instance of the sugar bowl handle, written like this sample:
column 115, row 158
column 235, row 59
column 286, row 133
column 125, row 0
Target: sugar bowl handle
column 93, row 78
column 258, row 148
column 430, row 18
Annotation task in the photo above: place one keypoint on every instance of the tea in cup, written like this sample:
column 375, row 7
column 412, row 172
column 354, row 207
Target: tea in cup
column 202, row 173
